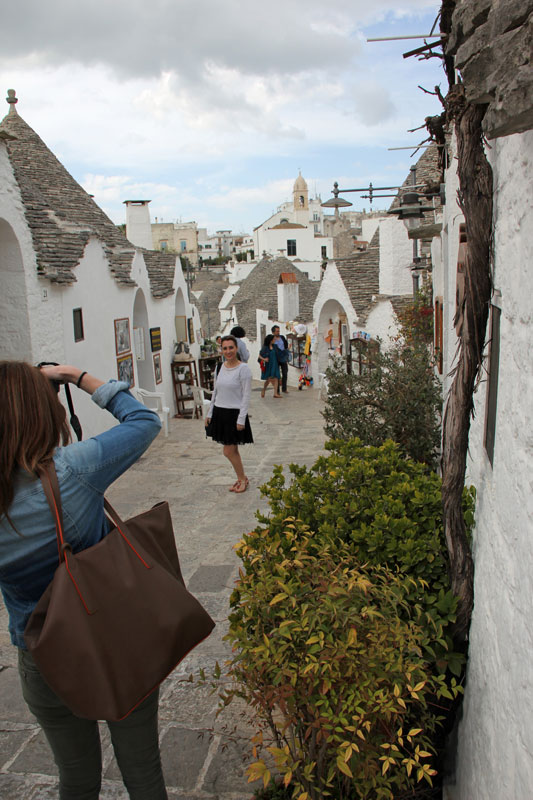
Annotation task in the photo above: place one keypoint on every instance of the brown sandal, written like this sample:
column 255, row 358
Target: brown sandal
column 234, row 487
column 241, row 486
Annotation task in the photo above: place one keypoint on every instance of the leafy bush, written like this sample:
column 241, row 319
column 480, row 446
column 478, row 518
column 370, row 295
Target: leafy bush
column 334, row 658
column 398, row 399
column 340, row 624
column 415, row 321
column 388, row 508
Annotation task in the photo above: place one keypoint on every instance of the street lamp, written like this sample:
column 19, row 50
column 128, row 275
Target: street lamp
column 410, row 210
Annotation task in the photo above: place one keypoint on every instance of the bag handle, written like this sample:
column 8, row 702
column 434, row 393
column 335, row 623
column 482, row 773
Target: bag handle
column 48, row 476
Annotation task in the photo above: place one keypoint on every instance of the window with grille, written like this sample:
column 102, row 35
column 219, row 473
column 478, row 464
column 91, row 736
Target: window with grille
column 291, row 247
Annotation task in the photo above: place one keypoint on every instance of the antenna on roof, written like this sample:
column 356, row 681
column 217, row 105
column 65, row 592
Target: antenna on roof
column 12, row 100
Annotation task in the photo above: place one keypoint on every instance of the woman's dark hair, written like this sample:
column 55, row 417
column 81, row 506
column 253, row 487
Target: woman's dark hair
column 229, row 338
column 32, row 423
column 268, row 340
column 238, row 332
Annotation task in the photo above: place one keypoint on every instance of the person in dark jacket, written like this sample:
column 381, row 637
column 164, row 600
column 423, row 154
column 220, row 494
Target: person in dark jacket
column 283, row 356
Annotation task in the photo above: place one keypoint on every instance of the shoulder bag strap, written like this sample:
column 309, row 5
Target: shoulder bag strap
column 48, row 477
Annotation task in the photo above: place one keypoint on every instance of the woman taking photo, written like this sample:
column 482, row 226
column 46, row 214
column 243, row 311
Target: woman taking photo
column 33, row 432
column 227, row 419
column 271, row 373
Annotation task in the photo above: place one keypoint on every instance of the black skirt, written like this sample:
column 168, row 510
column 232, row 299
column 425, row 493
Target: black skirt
column 222, row 427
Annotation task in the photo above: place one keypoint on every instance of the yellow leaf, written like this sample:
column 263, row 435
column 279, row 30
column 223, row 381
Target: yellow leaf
column 312, row 640
column 386, row 765
column 419, row 686
column 396, row 690
column 343, row 767
column 278, row 598
column 414, row 731
column 352, row 636
column 265, row 639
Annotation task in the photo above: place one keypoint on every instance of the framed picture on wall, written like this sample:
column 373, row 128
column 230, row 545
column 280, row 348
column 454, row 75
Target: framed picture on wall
column 190, row 330
column 122, row 336
column 157, row 368
column 155, row 339
column 125, row 369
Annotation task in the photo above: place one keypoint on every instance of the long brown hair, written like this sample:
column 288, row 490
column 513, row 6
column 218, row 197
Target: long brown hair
column 32, row 423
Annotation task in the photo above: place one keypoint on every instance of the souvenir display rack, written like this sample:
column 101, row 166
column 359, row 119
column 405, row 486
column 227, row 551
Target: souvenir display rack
column 207, row 366
column 184, row 375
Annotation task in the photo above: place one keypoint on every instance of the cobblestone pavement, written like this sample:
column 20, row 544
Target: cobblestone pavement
column 192, row 474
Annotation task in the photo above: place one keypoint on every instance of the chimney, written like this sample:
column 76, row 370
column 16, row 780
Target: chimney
column 288, row 296
column 138, row 226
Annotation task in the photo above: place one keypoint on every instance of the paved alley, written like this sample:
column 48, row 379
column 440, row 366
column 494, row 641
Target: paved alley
column 191, row 473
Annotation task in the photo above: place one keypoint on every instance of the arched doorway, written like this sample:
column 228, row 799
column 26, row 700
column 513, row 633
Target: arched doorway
column 333, row 331
column 15, row 341
column 141, row 344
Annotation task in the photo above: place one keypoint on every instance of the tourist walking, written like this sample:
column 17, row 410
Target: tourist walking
column 271, row 371
column 227, row 419
column 33, row 433
column 239, row 333
column 283, row 356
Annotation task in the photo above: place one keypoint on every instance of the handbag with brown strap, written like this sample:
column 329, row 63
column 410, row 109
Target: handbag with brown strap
column 116, row 618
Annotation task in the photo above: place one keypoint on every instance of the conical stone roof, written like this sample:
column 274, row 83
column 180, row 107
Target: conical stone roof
column 62, row 217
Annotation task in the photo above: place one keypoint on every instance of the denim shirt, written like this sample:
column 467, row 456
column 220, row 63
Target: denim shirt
column 28, row 555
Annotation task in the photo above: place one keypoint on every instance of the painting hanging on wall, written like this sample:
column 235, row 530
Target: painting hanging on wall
column 125, row 369
column 190, row 327
column 157, row 368
column 122, row 335
column 155, row 339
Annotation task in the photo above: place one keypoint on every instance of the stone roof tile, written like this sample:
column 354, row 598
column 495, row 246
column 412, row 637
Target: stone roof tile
column 428, row 172
column 259, row 290
column 360, row 275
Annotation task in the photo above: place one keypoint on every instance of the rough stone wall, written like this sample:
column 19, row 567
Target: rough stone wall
column 494, row 753
column 492, row 44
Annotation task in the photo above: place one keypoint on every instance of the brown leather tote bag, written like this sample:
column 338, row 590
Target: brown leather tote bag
column 116, row 618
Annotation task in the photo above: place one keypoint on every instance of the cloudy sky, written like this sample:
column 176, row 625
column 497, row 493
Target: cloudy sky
column 209, row 108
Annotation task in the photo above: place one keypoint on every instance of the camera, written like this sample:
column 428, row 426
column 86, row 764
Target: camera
column 55, row 384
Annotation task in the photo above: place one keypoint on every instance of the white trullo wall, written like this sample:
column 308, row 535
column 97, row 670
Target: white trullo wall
column 35, row 326
column 15, row 342
column 495, row 743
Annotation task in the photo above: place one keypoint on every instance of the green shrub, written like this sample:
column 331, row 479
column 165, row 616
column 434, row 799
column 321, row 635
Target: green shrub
column 399, row 399
column 334, row 659
column 387, row 508
column 340, row 625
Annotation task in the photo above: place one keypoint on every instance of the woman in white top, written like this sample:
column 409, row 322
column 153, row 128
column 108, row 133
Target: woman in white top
column 227, row 419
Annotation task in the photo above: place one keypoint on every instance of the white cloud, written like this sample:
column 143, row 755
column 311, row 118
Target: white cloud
column 201, row 105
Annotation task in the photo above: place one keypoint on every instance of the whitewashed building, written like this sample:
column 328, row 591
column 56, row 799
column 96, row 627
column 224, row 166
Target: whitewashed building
column 296, row 229
column 73, row 289
column 361, row 294
column 491, row 44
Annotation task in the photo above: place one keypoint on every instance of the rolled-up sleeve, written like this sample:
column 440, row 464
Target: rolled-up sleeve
column 101, row 459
